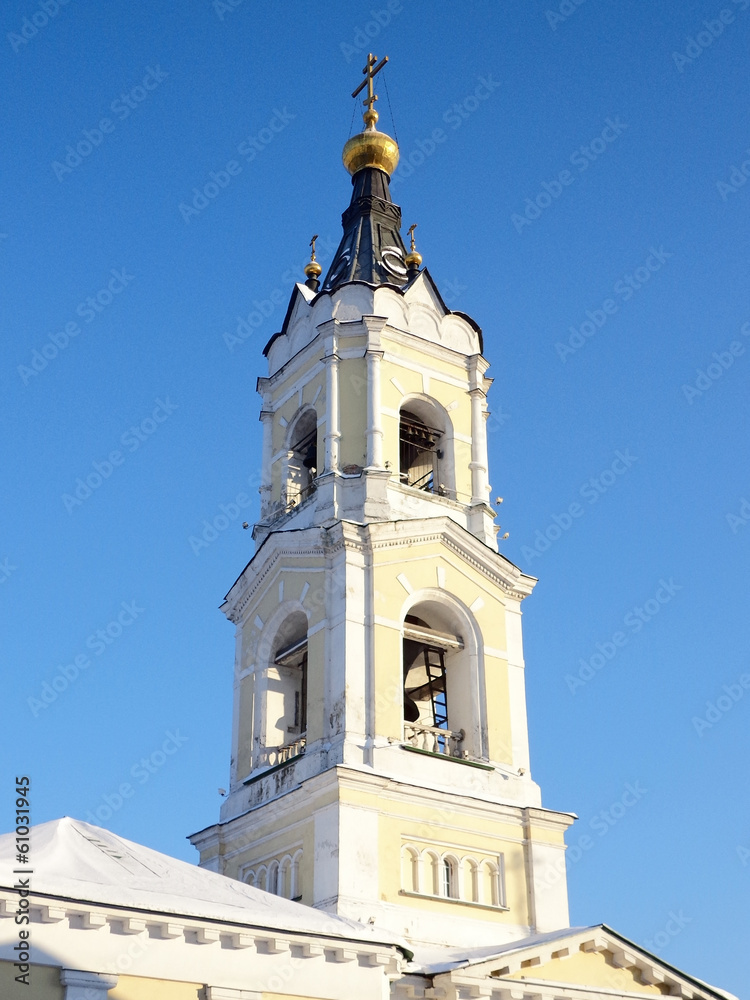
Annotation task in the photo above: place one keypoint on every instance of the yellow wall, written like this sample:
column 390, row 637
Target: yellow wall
column 137, row 988
column 449, row 829
column 589, row 969
column 285, row 996
column 273, row 839
column 353, row 412
column 44, row 983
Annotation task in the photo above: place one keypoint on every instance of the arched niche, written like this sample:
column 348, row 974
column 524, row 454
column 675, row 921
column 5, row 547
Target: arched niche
column 410, row 880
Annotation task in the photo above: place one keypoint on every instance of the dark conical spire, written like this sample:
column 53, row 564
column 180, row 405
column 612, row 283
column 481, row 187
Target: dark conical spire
column 371, row 248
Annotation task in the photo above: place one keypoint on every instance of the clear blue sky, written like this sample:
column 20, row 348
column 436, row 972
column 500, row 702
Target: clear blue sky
column 608, row 150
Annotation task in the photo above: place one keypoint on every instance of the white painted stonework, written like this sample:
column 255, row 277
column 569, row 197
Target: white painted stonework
column 107, row 914
column 418, row 310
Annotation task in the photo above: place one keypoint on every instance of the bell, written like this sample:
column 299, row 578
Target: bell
column 311, row 457
column 411, row 710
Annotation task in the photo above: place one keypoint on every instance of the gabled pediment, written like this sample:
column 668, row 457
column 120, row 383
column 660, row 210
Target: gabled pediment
column 430, row 318
column 297, row 313
column 586, row 961
column 418, row 309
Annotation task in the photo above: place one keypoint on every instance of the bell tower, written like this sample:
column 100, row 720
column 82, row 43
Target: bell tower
column 380, row 763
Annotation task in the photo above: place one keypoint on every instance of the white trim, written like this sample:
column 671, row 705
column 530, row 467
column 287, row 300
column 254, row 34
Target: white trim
column 224, row 993
column 85, row 985
column 453, row 899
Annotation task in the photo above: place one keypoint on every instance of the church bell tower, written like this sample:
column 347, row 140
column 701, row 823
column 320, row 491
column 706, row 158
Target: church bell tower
column 380, row 763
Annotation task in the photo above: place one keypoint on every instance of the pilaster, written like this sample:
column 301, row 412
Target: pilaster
column 86, row 985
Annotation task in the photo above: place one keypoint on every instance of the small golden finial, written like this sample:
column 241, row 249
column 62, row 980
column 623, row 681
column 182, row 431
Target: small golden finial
column 413, row 259
column 370, row 116
column 313, row 270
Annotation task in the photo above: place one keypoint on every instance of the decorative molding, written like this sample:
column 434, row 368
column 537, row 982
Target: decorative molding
column 81, row 985
column 223, row 993
column 207, row 935
column 168, row 931
column 132, row 925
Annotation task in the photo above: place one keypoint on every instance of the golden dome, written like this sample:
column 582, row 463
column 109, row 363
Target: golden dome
column 371, row 149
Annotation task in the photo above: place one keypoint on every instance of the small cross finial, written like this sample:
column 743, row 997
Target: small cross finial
column 313, row 270
column 370, row 71
column 413, row 259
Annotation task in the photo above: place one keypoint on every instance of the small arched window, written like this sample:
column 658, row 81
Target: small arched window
column 272, row 883
column 302, row 458
column 295, row 885
column 448, row 879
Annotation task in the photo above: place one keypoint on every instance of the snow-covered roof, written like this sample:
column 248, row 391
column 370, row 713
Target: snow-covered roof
column 510, row 958
column 76, row 861
column 433, row 960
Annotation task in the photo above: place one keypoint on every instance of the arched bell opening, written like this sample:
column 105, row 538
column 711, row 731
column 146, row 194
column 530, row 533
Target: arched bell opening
column 441, row 649
column 426, row 448
column 286, row 692
column 302, row 458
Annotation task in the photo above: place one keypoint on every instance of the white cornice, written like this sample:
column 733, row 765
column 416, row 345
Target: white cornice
column 106, row 918
column 367, row 538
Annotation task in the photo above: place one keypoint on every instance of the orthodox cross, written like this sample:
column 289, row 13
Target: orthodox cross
column 370, row 70
column 410, row 231
column 312, row 244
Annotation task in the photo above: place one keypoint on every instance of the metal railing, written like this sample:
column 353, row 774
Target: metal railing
column 434, row 740
column 427, row 484
column 293, row 497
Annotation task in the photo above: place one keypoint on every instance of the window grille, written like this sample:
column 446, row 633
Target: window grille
column 418, row 453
